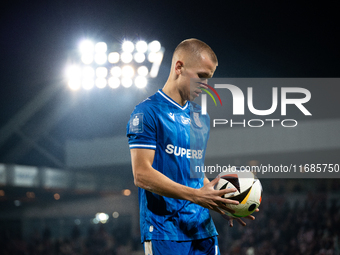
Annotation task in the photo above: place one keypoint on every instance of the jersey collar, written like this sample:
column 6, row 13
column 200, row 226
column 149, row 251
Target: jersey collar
column 172, row 101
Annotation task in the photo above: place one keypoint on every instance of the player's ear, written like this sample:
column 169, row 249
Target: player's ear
column 178, row 67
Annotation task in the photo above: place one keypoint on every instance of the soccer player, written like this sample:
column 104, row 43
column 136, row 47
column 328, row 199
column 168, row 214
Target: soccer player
column 174, row 207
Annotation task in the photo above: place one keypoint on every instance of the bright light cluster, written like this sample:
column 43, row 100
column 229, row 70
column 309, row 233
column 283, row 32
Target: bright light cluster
column 100, row 217
column 99, row 67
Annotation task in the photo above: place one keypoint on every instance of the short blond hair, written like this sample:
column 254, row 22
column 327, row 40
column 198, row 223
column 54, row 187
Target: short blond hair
column 195, row 48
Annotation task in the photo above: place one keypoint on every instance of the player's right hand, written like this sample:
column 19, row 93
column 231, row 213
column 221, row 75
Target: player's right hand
column 212, row 199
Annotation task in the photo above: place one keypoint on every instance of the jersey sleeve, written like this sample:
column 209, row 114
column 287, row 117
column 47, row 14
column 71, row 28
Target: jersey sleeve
column 141, row 128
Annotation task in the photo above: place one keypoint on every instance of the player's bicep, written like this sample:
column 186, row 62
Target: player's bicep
column 142, row 157
column 141, row 160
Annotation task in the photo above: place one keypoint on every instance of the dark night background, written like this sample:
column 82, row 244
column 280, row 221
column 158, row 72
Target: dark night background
column 252, row 39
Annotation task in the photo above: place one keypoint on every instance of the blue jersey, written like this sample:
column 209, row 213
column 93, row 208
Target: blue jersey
column 179, row 136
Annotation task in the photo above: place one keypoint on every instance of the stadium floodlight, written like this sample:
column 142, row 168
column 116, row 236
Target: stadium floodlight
column 139, row 57
column 101, row 83
column 116, row 71
column 152, row 57
column 100, row 58
column 100, row 47
column 141, row 46
column 86, row 47
column 142, row 71
column 157, row 63
column 74, row 84
column 88, row 72
column 159, row 57
column 154, row 46
column 101, row 72
column 113, row 57
column 73, row 72
column 101, row 64
column 141, row 82
column 114, row 82
column 128, row 46
column 128, row 72
column 88, row 83
column 127, row 82
column 126, row 57
column 87, row 59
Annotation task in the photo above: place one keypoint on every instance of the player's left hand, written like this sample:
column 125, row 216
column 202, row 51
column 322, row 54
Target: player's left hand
column 239, row 220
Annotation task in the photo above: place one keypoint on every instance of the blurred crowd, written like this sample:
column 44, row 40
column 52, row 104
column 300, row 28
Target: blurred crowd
column 98, row 241
column 304, row 224
column 308, row 226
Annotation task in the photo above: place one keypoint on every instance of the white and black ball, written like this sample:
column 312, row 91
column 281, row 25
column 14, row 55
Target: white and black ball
column 248, row 194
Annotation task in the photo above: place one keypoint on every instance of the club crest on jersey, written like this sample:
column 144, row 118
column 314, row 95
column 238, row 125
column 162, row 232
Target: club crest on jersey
column 185, row 120
column 197, row 119
column 136, row 123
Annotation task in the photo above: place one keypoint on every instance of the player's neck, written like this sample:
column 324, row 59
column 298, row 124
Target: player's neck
column 173, row 93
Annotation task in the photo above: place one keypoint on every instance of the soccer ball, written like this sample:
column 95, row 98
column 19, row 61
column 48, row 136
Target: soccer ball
column 248, row 194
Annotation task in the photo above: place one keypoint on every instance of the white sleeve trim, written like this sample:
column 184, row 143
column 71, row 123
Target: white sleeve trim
column 143, row 146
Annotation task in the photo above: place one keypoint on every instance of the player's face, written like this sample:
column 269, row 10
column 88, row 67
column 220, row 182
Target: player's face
column 200, row 70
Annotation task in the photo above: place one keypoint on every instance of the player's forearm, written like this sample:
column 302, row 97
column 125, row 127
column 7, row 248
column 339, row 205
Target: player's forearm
column 154, row 181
